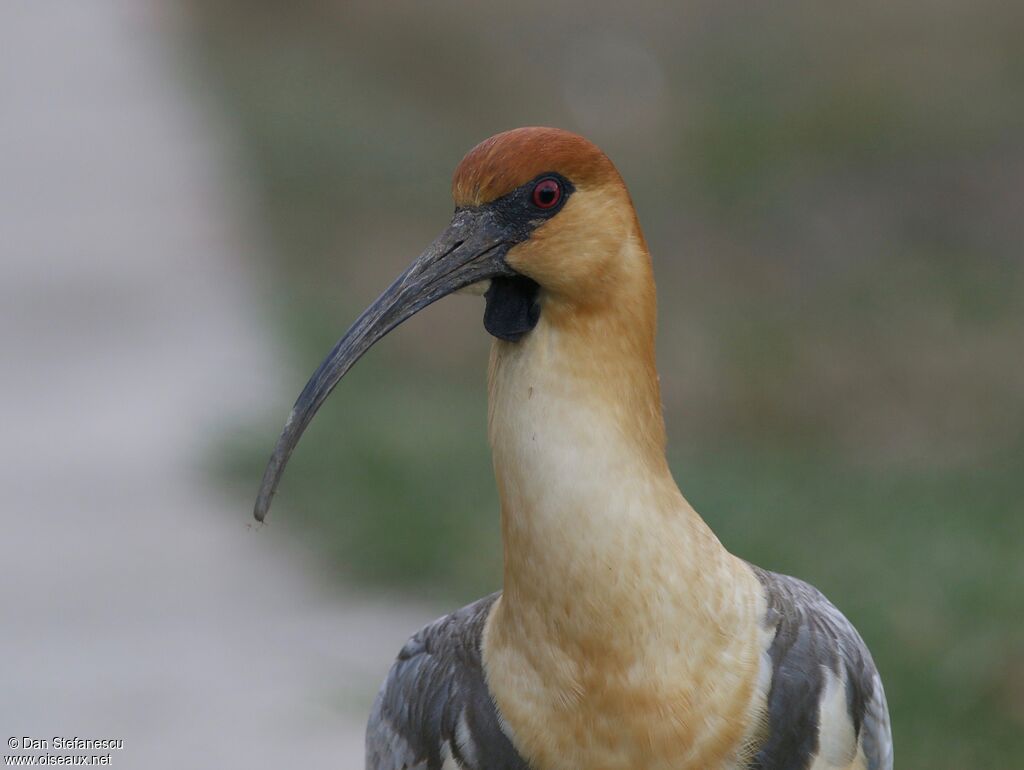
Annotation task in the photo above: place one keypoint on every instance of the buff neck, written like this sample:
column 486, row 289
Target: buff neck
column 593, row 523
column 623, row 619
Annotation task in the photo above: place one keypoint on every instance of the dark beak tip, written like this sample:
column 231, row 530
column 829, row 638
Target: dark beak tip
column 262, row 506
column 259, row 512
column 272, row 475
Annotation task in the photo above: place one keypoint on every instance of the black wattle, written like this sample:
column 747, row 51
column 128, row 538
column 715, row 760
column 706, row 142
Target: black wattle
column 512, row 307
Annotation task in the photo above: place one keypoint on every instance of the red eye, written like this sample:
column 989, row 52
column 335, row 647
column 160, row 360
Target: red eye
column 547, row 193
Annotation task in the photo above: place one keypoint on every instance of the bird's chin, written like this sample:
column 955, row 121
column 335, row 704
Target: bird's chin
column 512, row 307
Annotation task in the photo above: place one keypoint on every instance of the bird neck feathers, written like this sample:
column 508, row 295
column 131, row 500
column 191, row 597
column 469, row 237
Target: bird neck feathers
column 589, row 505
column 619, row 603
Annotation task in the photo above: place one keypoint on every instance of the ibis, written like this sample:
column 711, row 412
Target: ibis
column 626, row 637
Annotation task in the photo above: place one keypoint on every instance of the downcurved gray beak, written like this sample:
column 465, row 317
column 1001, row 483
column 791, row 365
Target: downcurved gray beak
column 470, row 250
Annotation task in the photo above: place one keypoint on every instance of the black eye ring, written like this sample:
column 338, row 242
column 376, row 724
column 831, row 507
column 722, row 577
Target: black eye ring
column 547, row 193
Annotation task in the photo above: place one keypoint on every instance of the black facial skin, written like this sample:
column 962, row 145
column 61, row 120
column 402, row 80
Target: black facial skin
column 512, row 307
column 471, row 249
column 518, row 215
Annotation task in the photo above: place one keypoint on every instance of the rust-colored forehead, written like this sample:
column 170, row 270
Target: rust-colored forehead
column 502, row 163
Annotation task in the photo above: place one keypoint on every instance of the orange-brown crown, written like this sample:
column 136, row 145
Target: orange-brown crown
column 502, row 163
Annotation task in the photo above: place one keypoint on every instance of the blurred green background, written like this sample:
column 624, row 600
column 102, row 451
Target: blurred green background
column 834, row 197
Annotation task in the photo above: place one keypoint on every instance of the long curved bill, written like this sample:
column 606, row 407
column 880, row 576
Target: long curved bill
column 470, row 250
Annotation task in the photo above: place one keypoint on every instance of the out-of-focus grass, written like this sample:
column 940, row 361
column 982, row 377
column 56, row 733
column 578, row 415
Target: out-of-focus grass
column 832, row 197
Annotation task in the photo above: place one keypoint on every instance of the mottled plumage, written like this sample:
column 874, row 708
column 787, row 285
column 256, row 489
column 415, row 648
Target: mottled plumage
column 812, row 641
column 434, row 711
column 434, row 707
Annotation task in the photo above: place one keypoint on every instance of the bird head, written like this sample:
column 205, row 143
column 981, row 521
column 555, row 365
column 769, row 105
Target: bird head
column 542, row 220
column 566, row 204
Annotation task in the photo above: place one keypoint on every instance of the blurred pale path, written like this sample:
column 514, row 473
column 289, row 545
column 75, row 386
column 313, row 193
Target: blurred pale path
column 136, row 602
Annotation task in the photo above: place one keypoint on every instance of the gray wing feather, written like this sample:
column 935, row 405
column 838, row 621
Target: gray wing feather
column 812, row 636
column 435, row 707
column 876, row 734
